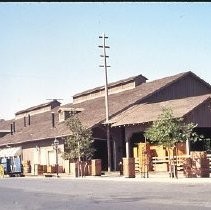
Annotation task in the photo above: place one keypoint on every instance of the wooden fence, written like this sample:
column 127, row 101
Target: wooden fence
column 160, row 164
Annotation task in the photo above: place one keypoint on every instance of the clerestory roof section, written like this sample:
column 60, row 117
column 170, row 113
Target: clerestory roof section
column 54, row 103
column 115, row 87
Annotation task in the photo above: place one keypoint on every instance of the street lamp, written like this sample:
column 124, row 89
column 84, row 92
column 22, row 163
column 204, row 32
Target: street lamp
column 55, row 146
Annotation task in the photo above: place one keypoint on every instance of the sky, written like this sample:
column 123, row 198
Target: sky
column 50, row 50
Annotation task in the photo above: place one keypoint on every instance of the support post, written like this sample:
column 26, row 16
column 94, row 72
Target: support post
column 127, row 148
column 187, row 147
column 57, row 164
column 114, row 155
column 55, row 146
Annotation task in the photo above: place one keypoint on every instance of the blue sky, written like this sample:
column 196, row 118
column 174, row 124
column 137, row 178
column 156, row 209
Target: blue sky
column 49, row 50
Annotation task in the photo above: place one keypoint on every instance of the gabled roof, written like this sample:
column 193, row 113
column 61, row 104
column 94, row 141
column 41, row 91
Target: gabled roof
column 143, row 113
column 94, row 110
column 92, row 115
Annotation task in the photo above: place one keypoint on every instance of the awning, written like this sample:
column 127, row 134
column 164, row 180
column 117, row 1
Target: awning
column 11, row 152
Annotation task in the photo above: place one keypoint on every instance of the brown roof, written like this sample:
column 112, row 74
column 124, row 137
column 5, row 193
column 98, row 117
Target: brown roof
column 40, row 128
column 94, row 109
column 5, row 125
column 142, row 113
column 93, row 112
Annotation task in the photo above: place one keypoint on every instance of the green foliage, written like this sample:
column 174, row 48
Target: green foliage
column 167, row 130
column 79, row 144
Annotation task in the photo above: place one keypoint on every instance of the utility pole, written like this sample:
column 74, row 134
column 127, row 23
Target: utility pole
column 105, row 66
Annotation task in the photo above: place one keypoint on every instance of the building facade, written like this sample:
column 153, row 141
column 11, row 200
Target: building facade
column 134, row 104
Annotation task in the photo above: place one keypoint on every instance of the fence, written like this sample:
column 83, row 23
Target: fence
column 209, row 157
column 161, row 163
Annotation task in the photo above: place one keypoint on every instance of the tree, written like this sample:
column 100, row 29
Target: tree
column 168, row 131
column 78, row 146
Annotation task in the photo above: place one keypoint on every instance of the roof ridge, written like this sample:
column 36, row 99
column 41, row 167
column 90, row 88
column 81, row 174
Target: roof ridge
column 109, row 84
column 35, row 107
column 175, row 75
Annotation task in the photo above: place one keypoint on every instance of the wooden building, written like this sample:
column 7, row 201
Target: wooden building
column 134, row 104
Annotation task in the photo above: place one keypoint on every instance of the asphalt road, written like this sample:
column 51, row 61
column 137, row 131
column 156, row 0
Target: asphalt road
column 85, row 194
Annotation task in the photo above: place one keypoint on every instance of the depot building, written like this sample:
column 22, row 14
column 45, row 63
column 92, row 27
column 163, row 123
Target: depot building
column 134, row 103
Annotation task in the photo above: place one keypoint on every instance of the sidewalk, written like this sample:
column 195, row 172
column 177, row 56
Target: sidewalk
column 115, row 176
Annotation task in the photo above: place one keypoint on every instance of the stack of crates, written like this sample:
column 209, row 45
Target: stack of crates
column 197, row 165
column 200, row 164
column 26, row 166
column 187, row 168
column 144, row 157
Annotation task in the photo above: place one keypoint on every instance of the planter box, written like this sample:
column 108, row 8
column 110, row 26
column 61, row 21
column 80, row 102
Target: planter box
column 84, row 171
column 67, row 166
column 44, row 168
column 96, row 167
column 129, row 167
column 51, row 169
column 38, row 169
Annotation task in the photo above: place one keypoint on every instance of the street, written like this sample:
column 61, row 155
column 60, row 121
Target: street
column 99, row 194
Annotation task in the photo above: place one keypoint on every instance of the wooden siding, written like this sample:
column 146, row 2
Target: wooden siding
column 185, row 87
column 201, row 115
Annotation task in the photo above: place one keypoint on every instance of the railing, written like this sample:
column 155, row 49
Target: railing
column 209, row 157
column 178, row 160
column 161, row 163
column 137, row 165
